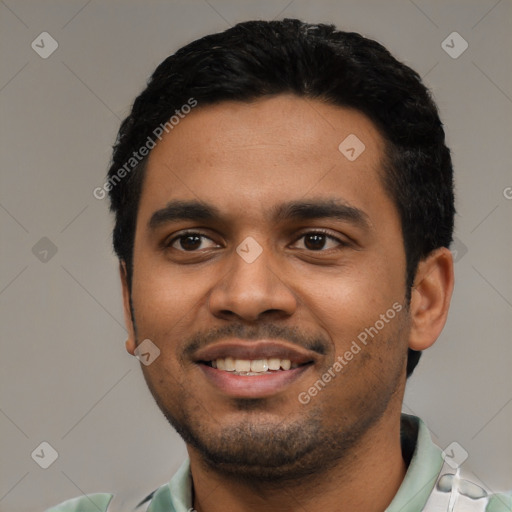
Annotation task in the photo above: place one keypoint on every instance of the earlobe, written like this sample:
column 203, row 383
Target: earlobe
column 130, row 346
column 128, row 320
column 430, row 299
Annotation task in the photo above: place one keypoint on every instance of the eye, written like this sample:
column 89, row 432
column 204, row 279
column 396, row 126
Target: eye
column 317, row 240
column 192, row 241
column 189, row 241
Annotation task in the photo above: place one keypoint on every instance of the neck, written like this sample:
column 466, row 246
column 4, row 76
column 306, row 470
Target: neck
column 366, row 479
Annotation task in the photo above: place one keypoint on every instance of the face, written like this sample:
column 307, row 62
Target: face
column 265, row 262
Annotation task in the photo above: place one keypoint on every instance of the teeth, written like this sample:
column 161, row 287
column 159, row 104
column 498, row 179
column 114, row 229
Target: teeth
column 242, row 365
column 251, row 367
column 274, row 364
column 259, row 365
column 229, row 364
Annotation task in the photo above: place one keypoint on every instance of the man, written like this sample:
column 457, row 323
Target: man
column 284, row 207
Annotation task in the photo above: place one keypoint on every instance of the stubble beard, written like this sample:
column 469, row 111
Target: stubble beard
column 285, row 450
column 256, row 450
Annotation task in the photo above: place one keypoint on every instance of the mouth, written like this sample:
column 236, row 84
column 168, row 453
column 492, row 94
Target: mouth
column 250, row 368
column 254, row 369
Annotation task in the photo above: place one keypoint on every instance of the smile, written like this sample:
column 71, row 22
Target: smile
column 247, row 367
column 253, row 368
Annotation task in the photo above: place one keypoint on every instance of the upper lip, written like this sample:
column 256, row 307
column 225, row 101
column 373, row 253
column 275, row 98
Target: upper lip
column 255, row 349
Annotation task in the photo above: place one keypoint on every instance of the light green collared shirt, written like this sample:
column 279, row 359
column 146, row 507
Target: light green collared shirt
column 431, row 484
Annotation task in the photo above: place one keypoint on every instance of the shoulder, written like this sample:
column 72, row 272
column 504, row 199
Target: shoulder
column 159, row 500
column 87, row 503
column 172, row 496
column 460, row 490
column 437, row 481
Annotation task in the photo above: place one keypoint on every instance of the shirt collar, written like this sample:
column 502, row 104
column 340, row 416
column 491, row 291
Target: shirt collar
column 423, row 470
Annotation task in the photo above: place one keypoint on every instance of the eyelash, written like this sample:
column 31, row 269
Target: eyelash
column 342, row 243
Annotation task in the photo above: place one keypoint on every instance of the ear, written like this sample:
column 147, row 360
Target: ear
column 128, row 320
column 430, row 298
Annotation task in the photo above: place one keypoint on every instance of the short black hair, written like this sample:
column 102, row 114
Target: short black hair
column 265, row 58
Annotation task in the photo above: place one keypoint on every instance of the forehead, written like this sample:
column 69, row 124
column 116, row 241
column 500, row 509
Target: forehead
column 247, row 157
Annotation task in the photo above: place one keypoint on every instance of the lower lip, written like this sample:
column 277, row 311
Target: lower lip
column 253, row 386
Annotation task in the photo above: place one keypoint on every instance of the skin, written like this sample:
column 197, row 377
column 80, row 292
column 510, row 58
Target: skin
column 275, row 453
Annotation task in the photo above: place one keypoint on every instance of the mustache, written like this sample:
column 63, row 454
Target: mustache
column 316, row 343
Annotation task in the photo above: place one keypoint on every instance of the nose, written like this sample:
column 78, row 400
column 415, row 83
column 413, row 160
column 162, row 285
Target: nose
column 250, row 290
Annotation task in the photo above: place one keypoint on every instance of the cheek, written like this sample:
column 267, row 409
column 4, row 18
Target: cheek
column 162, row 295
column 353, row 294
column 360, row 305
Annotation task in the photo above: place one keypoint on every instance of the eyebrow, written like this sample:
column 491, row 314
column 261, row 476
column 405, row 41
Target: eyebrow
column 183, row 210
column 178, row 210
column 319, row 209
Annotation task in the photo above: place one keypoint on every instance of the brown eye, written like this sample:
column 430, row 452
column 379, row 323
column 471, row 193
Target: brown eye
column 317, row 240
column 189, row 242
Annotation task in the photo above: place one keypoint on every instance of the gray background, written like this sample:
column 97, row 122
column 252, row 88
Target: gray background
column 66, row 378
